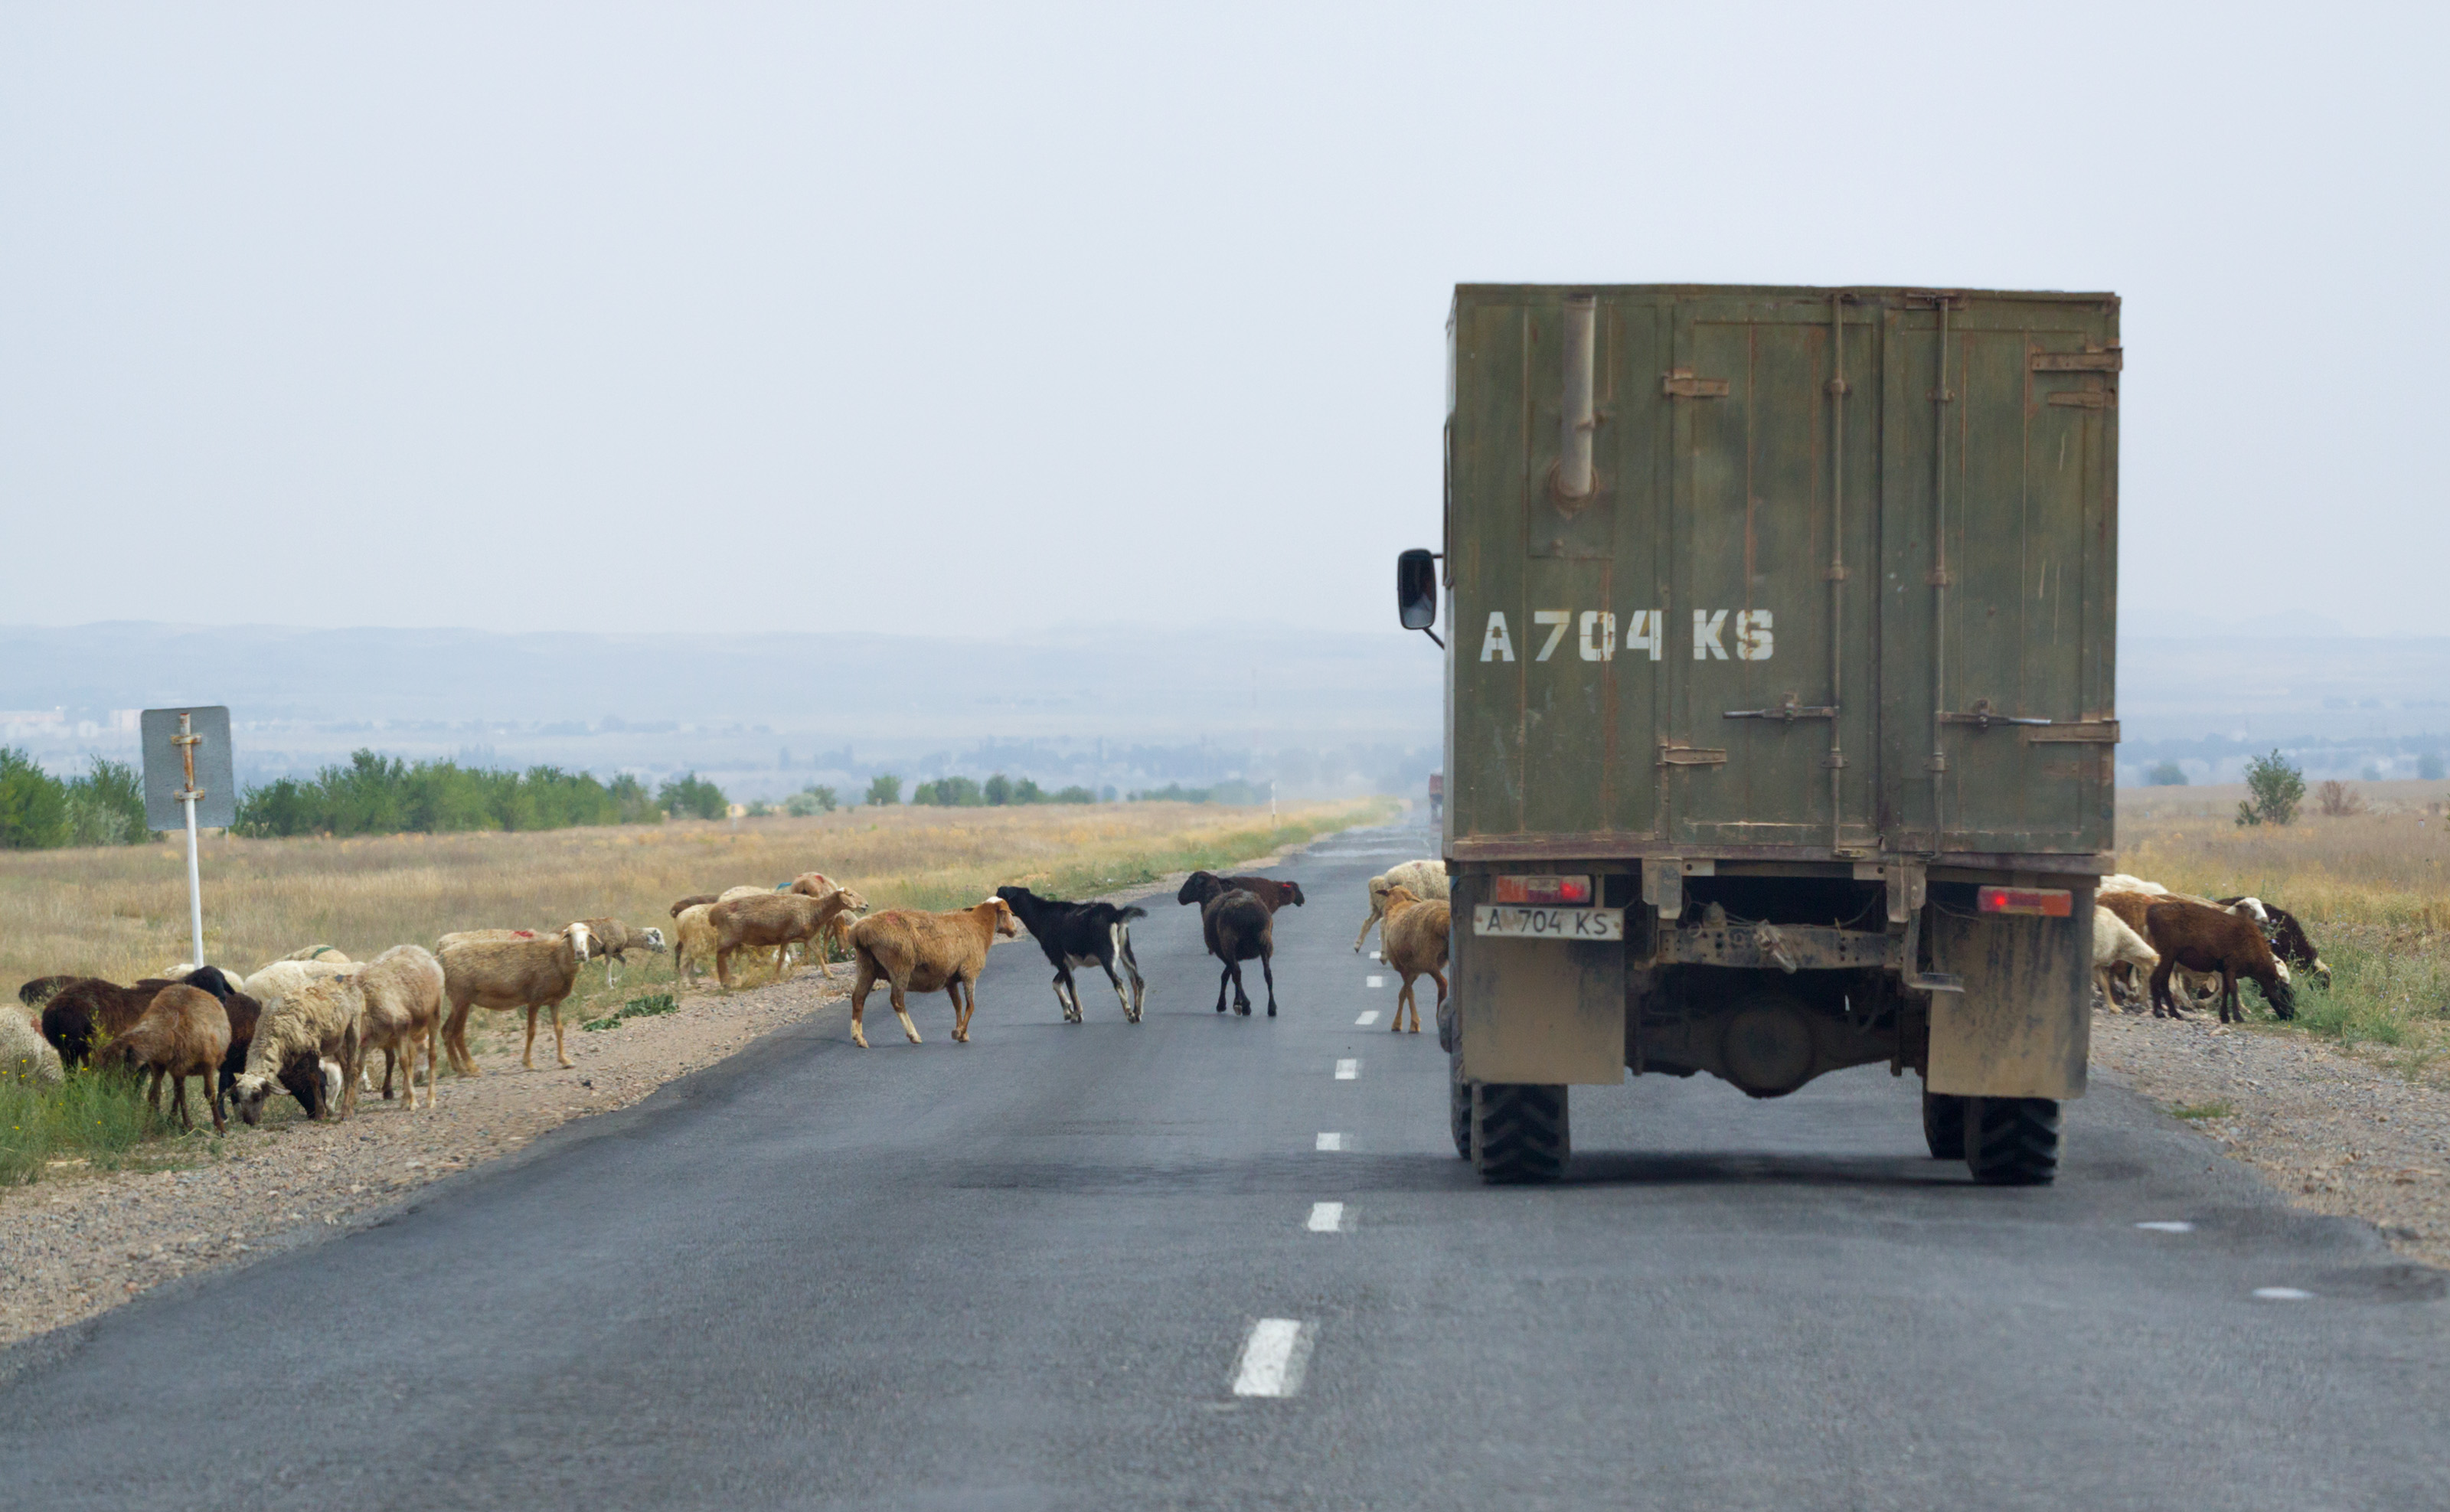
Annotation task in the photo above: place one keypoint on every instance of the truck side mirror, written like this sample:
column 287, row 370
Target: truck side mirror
column 1416, row 590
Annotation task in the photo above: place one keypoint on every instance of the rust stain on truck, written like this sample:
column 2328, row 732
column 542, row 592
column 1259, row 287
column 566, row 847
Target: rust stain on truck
column 1781, row 610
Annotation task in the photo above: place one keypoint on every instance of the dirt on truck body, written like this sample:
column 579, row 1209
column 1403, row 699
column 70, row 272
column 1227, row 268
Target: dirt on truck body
column 1780, row 716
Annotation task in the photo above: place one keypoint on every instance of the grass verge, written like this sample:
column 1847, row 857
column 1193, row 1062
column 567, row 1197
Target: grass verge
column 96, row 1119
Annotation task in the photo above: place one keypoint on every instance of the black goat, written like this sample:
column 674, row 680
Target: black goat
column 1081, row 935
column 2288, row 939
column 1238, row 926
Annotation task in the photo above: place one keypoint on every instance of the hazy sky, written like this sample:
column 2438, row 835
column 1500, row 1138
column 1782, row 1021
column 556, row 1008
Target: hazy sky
column 953, row 319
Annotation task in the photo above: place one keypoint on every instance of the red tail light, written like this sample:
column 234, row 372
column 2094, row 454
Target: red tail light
column 2050, row 902
column 1543, row 892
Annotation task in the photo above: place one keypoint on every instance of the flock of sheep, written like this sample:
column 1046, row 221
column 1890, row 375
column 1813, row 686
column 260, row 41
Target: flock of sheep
column 310, row 1023
column 2156, row 939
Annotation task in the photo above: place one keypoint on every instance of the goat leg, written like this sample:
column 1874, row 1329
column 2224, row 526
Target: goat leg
column 1268, row 969
column 901, row 1009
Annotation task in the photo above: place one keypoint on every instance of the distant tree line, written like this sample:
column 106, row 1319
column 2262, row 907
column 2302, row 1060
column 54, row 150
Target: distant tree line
column 1233, row 790
column 39, row 811
column 380, row 795
column 964, row 792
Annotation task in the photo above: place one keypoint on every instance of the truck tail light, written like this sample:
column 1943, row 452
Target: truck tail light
column 2050, row 902
column 1545, row 892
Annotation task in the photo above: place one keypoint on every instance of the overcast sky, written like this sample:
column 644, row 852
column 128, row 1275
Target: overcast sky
column 960, row 319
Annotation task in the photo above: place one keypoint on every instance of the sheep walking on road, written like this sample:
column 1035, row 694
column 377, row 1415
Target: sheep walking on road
column 1096, row 934
column 771, row 920
column 1237, row 926
column 508, row 976
column 1414, row 935
column 919, row 952
column 1424, row 880
column 184, row 1032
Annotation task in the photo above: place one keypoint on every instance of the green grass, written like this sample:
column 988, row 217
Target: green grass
column 2379, row 994
column 98, row 1118
column 647, row 1007
column 2216, row 1108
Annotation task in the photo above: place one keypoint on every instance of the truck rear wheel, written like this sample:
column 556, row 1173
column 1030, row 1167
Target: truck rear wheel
column 1458, row 1104
column 1943, row 1125
column 2012, row 1141
column 1519, row 1131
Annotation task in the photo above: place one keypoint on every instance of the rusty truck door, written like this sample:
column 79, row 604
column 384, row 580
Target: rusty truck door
column 1768, row 733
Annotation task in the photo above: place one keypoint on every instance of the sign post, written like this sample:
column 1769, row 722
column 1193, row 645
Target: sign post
column 189, row 780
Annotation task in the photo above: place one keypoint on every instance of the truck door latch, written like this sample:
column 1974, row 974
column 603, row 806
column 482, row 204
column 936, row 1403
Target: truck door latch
column 1788, row 711
column 1981, row 716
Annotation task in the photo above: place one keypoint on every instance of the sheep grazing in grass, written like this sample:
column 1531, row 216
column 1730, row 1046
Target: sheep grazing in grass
column 323, row 953
column 403, row 993
column 24, row 1055
column 2203, row 939
column 2132, row 904
column 184, row 1031
column 2287, row 936
column 89, row 1010
column 613, row 939
column 1414, row 935
column 314, row 1023
column 1237, row 926
column 2116, row 944
column 1424, row 880
column 509, row 975
column 921, row 952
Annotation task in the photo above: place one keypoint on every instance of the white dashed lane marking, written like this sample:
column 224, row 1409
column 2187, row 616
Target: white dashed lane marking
column 1376, row 980
column 2283, row 1294
column 1348, row 1070
column 2169, row 1226
column 1326, row 1217
column 1367, row 1019
column 1330, row 1141
column 1272, row 1359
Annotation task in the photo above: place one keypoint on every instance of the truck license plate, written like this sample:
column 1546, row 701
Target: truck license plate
column 1547, row 924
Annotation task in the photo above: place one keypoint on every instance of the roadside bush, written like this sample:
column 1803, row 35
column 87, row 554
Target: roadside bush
column 2336, row 800
column 884, row 790
column 39, row 811
column 809, row 801
column 2168, row 774
column 2277, row 787
column 92, row 1117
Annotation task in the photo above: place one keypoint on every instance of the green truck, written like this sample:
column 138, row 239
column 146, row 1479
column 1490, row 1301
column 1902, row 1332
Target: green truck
column 1779, row 698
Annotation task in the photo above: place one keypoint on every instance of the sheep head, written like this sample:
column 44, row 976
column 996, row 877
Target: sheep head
column 652, row 939
column 1007, row 925
column 1199, row 886
column 1398, row 898
column 582, row 940
column 247, row 1097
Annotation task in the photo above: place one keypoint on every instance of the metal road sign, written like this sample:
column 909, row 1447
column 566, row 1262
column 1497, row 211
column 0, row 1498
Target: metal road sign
column 168, row 774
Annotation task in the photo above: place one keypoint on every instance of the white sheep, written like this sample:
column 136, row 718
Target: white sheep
column 2113, row 942
column 24, row 1055
column 1425, row 879
column 314, row 1023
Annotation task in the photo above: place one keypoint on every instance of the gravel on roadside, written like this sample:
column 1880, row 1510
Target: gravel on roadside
column 2329, row 1132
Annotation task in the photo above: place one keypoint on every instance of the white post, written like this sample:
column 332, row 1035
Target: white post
column 1272, row 803
column 187, row 740
column 195, row 888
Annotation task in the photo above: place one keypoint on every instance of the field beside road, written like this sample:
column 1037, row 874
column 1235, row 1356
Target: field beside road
column 122, row 913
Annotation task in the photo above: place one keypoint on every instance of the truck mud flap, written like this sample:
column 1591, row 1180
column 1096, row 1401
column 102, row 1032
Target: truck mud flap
column 2023, row 1025
column 1549, row 1012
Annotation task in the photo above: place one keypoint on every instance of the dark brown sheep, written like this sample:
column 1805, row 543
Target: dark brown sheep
column 89, row 1010
column 1269, row 891
column 42, row 990
column 1238, row 926
column 2201, row 938
column 184, row 1031
column 693, row 901
column 2289, row 940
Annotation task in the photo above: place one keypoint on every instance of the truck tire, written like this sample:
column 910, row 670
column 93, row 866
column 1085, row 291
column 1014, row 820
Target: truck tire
column 1943, row 1125
column 2012, row 1141
column 1458, row 1105
column 1519, row 1131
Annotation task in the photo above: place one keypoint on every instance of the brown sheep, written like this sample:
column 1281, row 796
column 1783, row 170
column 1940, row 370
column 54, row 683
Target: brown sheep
column 684, row 904
column 1237, row 926
column 1269, row 891
column 88, row 1010
column 772, row 921
column 1414, row 936
column 184, row 1031
column 919, row 952
column 2201, row 938
column 507, row 975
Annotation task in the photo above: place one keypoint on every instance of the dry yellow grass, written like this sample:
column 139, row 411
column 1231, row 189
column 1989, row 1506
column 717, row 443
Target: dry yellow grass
column 123, row 913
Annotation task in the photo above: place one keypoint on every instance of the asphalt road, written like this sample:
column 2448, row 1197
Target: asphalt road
column 1024, row 1273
